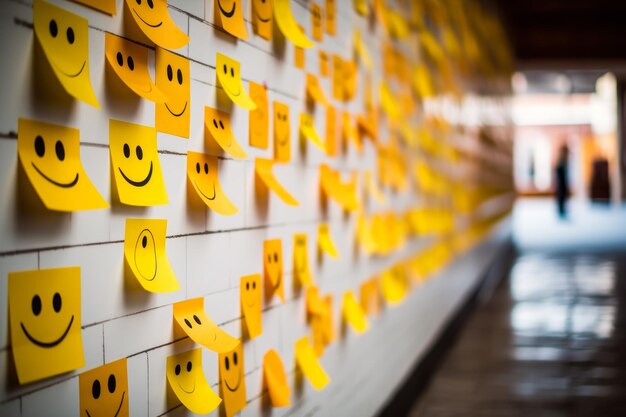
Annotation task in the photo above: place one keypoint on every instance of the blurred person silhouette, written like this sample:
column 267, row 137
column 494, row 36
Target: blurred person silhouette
column 562, row 181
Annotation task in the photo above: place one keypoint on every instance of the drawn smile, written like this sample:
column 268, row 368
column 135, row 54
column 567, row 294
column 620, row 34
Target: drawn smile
column 284, row 141
column 224, row 12
column 58, row 184
column 258, row 16
column 148, row 24
column 137, row 183
column 75, row 74
column 232, row 92
column 118, row 408
column 176, row 114
column 188, row 392
column 48, row 344
column 236, row 386
column 206, row 196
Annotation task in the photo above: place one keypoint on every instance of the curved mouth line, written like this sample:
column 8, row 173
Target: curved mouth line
column 251, row 305
column 278, row 281
column 118, row 408
column 188, row 392
column 236, row 386
column 258, row 16
column 206, row 196
column 58, row 184
column 148, row 24
column 137, row 183
column 228, row 90
column 75, row 74
column 283, row 142
column 176, row 114
column 224, row 12
column 48, row 344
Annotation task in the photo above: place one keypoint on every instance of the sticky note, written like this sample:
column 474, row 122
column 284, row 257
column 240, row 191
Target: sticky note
column 317, row 22
column 394, row 285
column 202, row 175
column 153, row 19
column 195, row 322
column 370, row 299
column 338, row 77
column 276, row 379
column 315, row 306
column 186, row 378
column 389, row 102
column 50, row 157
column 299, row 57
column 422, row 81
column 350, row 79
column 309, row 364
column 44, row 319
column 217, row 123
column 288, row 25
column 263, row 171
column 301, row 267
column 228, row 14
column 228, row 73
column 332, row 145
column 327, row 325
column 344, row 193
column 323, row 58
column 273, row 267
column 372, row 187
column 63, row 37
column 232, row 380
column 144, row 252
column 173, row 80
column 360, row 49
column 349, row 133
column 353, row 313
column 325, row 241
column 259, row 122
column 307, row 130
column 105, row 6
column 104, row 390
column 361, row 7
column 262, row 18
column 135, row 164
column 129, row 61
column 282, row 133
column 251, row 303
column 331, row 17
column 314, row 91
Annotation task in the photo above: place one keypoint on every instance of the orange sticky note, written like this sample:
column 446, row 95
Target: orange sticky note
column 349, row 132
column 353, row 313
column 323, row 58
column 317, row 22
column 259, row 118
column 273, row 267
column 105, row 389
column 262, row 19
column 232, row 380
column 282, row 133
column 309, row 364
column 228, row 73
column 202, row 175
column 228, row 15
column 331, row 16
column 299, row 57
column 153, row 19
column 195, row 322
column 251, row 304
column 172, row 79
column 288, row 24
column 325, row 241
column 217, row 123
column 314, row 91
column 338, row 78
column 263, row 170
column 276, row 379
column 394, row 285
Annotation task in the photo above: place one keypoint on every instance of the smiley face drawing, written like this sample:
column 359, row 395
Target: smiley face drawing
column 50, row 157
column 144, row 253
column 153, row 19
column 229, row 15
column 317, row 22
column 229, row 78
column 273, row 267
column 251, row 303
column 232, row 380
column 44, row 319
column 135, row 164
column 186, row 378
column 103, row 391
column 282, row 132
column 202, row 175
column 172, row 78
column 301, row 268
column 129, row 61
column 259, row 118
column 217, row 122
column 262, row 18
column 63, row 36
column 195, row 322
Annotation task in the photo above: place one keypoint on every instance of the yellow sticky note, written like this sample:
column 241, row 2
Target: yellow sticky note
column 389, row 102
column 398, row 26
column 202, row 175
column 332, row 145
column 50, row 157
column 315, row 306
column 251, row 303
column 194, row 321
column 353, row 313
column 129, row 61
column 273, row 267
column 155, row 22
column 310, row 365
column 323, row 58
column 282, row 133
column 144, row 252
column 172, row 79
column 331, row 16
column 228, row 73
column 276, row 379
column 105, row 6
column 301, row 267
column 44, row 318
column 135, row 164
column 361, row 7
column 288, row 24
column 262, row 18
column 325, row 241
column 349, row 132
column 317, row 22
column 394, row 285
column 307, row 130
column 63, row 36
column 314, row 90
column 228, row 15
column 232, row 380
column 344, row 193
column 422, row 81
column 263, row 171
column 259, row 123
column 360, row 49
column 217, row 123
column 104, row 390
column 186, row 378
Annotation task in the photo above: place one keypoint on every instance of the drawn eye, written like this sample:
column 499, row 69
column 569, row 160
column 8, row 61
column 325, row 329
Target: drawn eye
column 120, row 59
column 227, row 363
column 111, row 383
column 56, row 302
column 60, row 150
column 150, row 4
column 275, row 257
column 247, row 286
column 225, row 69
column 40, row 146
column 95, row 389
column 269, row 258
column 139, row 152
column 170, row 74
column 206, row 168
column 177, row 370
column 126, row 150
column 254, row 285
column 198, row 167
column 196, row 319
column 232, row 72
column 189, row 366
column 235, row 358
column 36, row 305
column 54, row 29
column 131, row 63
column 215, row 123
column 221, row 124
column 179, row 75
column 188, row 323
column 70, row 35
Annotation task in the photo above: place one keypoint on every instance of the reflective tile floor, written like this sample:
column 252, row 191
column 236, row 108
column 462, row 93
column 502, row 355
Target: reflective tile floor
column 551, row 341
